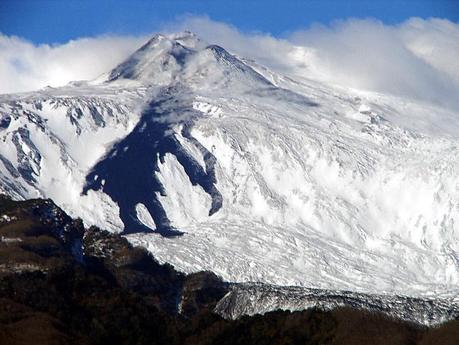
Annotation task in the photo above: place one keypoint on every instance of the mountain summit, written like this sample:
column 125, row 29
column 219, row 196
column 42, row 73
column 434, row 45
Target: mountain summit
column 184, row 58
column 217, row 163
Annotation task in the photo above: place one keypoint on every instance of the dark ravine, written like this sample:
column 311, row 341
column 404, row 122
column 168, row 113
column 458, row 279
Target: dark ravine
column 63, row 284
column 127, row 172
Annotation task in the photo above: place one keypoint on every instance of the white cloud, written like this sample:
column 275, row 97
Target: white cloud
column 273, row 52
column 411, row 59
column 25, row 66
column 418, row 58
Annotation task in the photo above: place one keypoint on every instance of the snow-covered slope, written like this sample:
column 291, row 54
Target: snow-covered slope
column 256, row 298
column 52, row 137
column 254, row 175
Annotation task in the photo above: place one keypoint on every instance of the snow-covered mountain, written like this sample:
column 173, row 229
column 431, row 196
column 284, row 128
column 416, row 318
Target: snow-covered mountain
column 214, row 162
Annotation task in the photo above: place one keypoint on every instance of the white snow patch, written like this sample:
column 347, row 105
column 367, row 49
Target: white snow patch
column 144, row 216
column 184, row 203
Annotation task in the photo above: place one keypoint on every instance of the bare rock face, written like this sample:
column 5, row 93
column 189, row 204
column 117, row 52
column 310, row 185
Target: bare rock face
column 37, row 236
column 132, row 268
column 201, row 292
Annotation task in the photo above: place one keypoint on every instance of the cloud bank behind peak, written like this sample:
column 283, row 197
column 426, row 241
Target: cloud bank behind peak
column 27, row 67
column 418, row 58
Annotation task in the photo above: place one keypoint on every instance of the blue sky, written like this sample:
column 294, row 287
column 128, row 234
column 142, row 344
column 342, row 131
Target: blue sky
column 55, row 21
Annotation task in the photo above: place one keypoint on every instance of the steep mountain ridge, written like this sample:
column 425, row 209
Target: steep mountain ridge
column 269, row 178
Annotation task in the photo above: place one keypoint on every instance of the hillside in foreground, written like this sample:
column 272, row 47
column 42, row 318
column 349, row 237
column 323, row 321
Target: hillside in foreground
column 63, row 284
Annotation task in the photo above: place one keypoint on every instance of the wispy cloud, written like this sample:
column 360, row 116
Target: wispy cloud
column 25, row 66
column 418, row 58
column 412, row 59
